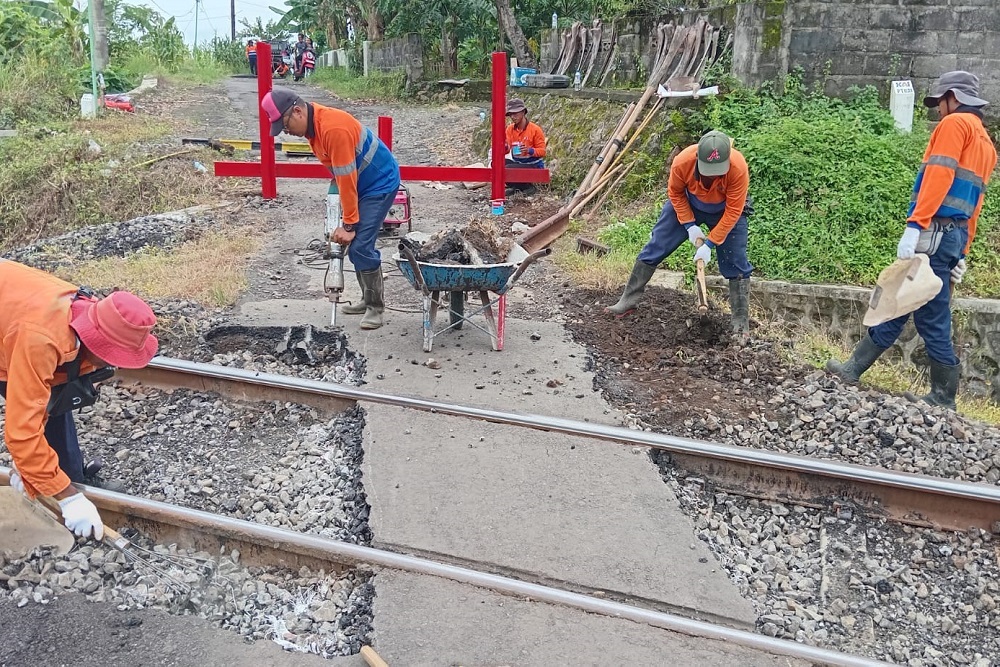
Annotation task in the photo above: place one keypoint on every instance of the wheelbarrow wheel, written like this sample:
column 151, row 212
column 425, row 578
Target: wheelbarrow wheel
column 456, row 309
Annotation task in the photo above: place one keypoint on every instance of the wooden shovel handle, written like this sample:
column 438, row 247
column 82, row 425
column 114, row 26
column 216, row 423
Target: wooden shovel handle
column 111, row 536
column 702, row 289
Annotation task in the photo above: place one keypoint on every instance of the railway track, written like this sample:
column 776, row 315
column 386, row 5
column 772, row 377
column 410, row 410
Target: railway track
column 913, row 499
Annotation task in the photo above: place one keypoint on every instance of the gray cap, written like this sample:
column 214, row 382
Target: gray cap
column 515, row 105
column 965, row 86
column 713, row 154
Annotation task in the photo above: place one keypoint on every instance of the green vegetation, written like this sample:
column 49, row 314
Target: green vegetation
column 376, row 86
column 830, row 181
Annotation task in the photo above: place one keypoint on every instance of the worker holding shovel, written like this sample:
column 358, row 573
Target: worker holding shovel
column 947, row 197
column 56, row 340
column 708, row 185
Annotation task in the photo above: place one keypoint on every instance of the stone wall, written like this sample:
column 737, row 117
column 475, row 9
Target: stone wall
column 398, row 54
column 847, row 43
column 838, row 311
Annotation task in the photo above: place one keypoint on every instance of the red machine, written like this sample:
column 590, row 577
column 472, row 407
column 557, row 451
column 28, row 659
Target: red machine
column 399, row 214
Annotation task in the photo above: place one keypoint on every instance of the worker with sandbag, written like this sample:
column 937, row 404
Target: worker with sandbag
column 947, row 198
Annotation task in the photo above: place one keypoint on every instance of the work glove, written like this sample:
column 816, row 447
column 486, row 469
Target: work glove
column 16, row 482
column 956, row 278
column 704, row 253
column 81, row 517
column 908, row 243
column 694, row 233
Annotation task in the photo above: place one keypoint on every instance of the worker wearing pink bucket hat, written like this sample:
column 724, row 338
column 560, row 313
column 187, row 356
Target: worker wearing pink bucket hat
column 56, row 341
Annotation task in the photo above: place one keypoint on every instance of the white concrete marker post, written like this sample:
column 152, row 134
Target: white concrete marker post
column 901, row 104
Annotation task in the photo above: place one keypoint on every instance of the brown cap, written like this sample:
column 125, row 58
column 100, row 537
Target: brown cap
column 515, row 105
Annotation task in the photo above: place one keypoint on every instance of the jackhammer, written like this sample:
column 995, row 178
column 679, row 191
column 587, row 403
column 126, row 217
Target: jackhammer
column 333, row 281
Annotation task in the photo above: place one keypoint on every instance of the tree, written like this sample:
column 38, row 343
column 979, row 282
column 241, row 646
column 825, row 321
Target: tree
column 525, row 58
column 66, row 22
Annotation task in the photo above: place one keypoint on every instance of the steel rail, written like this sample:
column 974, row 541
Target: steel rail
column 322, row 549
column 915, row 499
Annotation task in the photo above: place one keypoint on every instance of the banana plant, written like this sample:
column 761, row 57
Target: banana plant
column 66, row 22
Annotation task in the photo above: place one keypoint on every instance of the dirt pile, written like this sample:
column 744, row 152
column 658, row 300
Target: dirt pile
column 482, row 241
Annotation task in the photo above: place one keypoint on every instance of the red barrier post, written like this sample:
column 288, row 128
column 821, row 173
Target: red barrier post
column 385, row 130
column 268, row 181
column 498, row 118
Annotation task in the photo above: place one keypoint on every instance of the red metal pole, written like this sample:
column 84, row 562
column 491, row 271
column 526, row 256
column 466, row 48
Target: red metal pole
column 499, row 127
column 385, row 130
column 268, row 181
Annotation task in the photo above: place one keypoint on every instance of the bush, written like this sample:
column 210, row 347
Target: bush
column 377, row 85
column 831, row 181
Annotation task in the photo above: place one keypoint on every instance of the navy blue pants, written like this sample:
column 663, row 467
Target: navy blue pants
column 933, row 319
column 668, row 235
column 371, row 213
column 60, row 432
column 536, row 163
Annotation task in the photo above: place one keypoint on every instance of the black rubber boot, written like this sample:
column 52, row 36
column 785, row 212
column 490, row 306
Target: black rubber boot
column 371, row 283
column 92, row 478
column 944, row 385
column 739, row 304
column 862, row 358
column 356, row 308
column 641, row 274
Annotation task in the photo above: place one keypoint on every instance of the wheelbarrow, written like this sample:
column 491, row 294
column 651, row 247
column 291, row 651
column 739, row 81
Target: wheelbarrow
column 456, row 279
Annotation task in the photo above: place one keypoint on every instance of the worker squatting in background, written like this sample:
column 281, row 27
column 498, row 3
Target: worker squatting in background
column 708, row 185
column 525, row 144
column 365, row 174
column 52, row 335
column 947, row 198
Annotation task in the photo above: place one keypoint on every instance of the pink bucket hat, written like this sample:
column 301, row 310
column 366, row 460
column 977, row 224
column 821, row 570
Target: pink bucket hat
column 116, row 329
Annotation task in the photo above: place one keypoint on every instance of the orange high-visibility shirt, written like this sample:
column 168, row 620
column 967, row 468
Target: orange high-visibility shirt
column 35, row 338
column 951, row 182
column 530, row 137
column 731, row 189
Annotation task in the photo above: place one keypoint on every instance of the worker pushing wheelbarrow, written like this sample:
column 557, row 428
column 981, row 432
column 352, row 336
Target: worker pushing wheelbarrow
column 457, row 279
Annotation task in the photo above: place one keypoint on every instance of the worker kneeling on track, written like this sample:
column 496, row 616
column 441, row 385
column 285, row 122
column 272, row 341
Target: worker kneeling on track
column 55, row 339
column 708, row 185
column 947, row 198
column 365, row 174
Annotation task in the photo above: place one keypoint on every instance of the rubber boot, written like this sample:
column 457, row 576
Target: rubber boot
column 944, row 385
column 371, row 282
column 739, row 304
column 862, row 358
column 359, row 307
column 91, row 477
column 641, row 274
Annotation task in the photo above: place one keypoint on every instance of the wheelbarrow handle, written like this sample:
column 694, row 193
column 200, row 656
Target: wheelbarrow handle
column 528, row 261
column 418, row 277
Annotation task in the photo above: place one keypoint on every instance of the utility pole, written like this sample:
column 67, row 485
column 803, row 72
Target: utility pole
column 93, row 53
column 195, row 49
column 232, row 18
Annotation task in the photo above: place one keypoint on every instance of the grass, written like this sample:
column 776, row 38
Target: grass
column 211, row 270
column 814, row 348
column 376, row 86
column 51, row 181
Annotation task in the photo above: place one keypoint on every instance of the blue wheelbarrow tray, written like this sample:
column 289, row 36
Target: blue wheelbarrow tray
column 465, row 278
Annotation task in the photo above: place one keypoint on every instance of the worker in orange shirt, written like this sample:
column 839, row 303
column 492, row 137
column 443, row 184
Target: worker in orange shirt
column 525, row 144
column 708, row 185
column 365, row 174
column 941, row 222
column 252, row 56
column 53, row 335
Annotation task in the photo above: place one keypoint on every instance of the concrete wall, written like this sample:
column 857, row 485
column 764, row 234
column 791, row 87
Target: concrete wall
column 838, row 311
column 849, row 43
column 398, row 54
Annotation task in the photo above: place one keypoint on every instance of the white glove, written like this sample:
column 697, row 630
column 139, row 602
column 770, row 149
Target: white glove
column 16, row 482
column 695, row 233
column 908, row 243
column 956, row 278
column 81, row 517
column 704, row 253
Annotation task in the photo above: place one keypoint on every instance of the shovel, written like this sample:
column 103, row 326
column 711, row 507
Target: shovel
column 700, row 287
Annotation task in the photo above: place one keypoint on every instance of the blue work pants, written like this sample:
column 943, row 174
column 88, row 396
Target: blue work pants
column 933, row 319
column 668, row 235
column 371, row 214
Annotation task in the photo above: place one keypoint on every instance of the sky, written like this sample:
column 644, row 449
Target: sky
column 213, row 15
